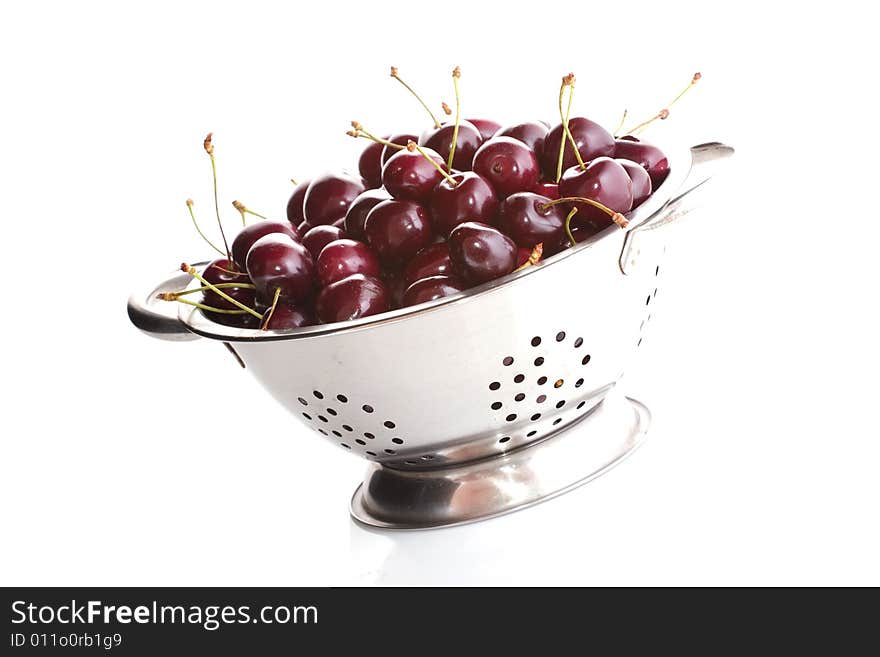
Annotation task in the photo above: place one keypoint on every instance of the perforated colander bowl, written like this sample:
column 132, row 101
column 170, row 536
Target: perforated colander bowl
column 481, row 403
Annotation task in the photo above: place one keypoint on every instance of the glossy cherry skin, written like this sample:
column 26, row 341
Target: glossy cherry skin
column 402, row 139
column 603, row 180
column 352, row 298
column 319, row 237
column 287, row 316
column 531, row 133
column 433, row 260
column 428, row 289
column 440, row 141
column 296, row 203
column 592, row 141
column 508, row 164
column 524, row 218
column 649, row 156
column 641, row 181
column 252, row 232
column 470, row 199
column 370, row 164
column 486, row 127
column 276, row 261
column 397, row 230
column 342, row 258
column 409, row 175
column 304, row 227
column 328, row 197
column 481, row 253
column 222, row 271
column 358, row 210
column 548, row 189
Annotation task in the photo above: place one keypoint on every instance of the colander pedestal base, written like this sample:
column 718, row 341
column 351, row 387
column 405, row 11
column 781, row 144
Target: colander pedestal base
column 397, row 499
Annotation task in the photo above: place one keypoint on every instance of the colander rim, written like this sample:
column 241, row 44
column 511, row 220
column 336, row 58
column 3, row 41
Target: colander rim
column 196, row 322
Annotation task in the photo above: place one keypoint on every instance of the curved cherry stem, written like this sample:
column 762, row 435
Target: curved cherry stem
column 417, row 97
column 195, row 274
column 171, row 296
column 620, row 125
column 412, row 146
column 567, row 81
column 209, row 149
column 664, row 113
column 244, row 210
column 616, row 217
column 456, row 74
column 264, row 325
column 189, row 206
column 534, row 257
column 359, row 131
column 201, row 306
column 568, row 218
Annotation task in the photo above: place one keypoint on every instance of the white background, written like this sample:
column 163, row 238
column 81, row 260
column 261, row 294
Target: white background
column 128, row 461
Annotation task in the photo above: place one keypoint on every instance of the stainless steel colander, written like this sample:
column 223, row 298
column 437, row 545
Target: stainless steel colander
column 481, row 403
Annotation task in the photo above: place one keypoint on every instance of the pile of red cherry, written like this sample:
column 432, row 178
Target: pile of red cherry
column 423, row 220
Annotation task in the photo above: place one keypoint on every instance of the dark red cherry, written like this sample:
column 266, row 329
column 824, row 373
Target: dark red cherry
column 409, row 175
column 370, row 164
column 508, row 164
column 296, row 203
column 397, row 230
column 428, row 289
column 252, row 232
column 640, row 179
column 401, row 139
column 548, row 189
column 440, row 140
column 603, row 180
column 524, row 218
column 342, row 258
column 357, row 212
column 352, row 298
column 481, row 253
column 592, row 140
column 287, row 316
column 486, row 127
column 319, row 237
column 580, row 230
column 242, row 320
column 431, row 261
column 531, row 133
column 276, row 261
column 328, row 197
column 222, row 271
column 645, row 154
column 304, row 227
column 396, row 286
column 470, row 199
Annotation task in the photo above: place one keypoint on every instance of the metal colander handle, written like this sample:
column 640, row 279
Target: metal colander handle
column 705, row 159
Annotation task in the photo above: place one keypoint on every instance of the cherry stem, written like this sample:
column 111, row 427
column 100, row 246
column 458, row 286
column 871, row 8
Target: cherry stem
column 456, row 74
column 664, row 113
column 172, row 296
column 446, row 109
column 195, row 274
column 201, row 306
column 567, row 81
column 620, row 125
column 209, row 149
column 534, row 257
column 571, row 238
column 616, row 217
column 189, row 206
column 417, row 97
column 293, row 180
column 360, row 132
column 264, row 325
column 243, row 210
column 412, row 146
